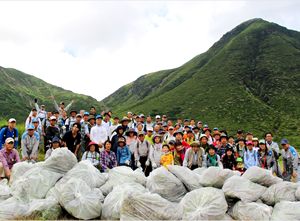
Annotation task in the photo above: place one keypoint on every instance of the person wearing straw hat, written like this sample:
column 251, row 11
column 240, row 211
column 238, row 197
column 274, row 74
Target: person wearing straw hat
column 123, row 153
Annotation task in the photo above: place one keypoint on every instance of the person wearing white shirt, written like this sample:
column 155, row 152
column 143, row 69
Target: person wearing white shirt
column 99, row 133
column 106, row 122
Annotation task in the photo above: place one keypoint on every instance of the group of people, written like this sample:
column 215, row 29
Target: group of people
column 135, row 141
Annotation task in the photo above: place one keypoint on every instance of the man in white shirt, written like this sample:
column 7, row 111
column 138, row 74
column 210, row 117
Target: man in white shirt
column 98, row 133
column 106, row 122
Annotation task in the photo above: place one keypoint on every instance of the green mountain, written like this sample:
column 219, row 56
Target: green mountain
column 249, row 79
column 18, row 90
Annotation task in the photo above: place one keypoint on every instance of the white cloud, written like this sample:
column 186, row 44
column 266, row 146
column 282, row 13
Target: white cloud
column 96, row 47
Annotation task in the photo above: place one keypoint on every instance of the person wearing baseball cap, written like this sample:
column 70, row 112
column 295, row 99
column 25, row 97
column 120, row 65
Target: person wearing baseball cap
column 275, row 148
column 106, row 121
column 170, row 135
column 249, row 136
column 9, row 131
column 35, row 123
column 51, row 132
column 61, row 106
column 42, row 114
column 149, row 135
column 290, row 160
column 164, row 119
column 33, row 114
column 250, row 156
column 72, row 119
column 30, row 144
column 141, row 153
column 157, row 120
column 200, row 125
column 54, row 145
column 8, row 157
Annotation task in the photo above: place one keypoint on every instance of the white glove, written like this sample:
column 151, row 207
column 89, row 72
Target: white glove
column 154, row 165
column 127, row 162
column 147, row 163
column 138, row 164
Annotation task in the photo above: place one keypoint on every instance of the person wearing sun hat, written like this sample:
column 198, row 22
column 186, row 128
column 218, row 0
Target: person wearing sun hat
column 92, row 154
column 123, row 153
column 194, row 156
column 141, row 153
column 290, row 161
column 250, row 156
column 212, row 158
column 203, row 141
column 240, row 147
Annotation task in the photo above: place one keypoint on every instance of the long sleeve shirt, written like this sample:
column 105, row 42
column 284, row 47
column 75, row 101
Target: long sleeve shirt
column 59, row 109
column 123, row 154
column 9, row 159
column 41, row 113
column 274, row 146
column 141, row 149
column 10, row 133
column 290, row 160
column 29, row 121
column 250, row 158
column 30, row 145
column 195, row 158
column 98, row 134
column 93, row 157
column 156, row 153
column 108, row 159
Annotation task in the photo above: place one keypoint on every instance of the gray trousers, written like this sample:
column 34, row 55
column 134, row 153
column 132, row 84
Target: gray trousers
column 278, row 172
column 288, row 176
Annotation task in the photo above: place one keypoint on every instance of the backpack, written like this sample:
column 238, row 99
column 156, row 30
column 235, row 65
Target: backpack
column 275, row 153
column 147, row 143
column 5, row 132
column 86, row 156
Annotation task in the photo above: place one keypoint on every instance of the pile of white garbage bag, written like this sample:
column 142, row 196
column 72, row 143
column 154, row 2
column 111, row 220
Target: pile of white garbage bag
column 61, row 188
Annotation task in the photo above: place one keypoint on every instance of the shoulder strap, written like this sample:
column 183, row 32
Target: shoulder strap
column 5, row 132
column 87, row 153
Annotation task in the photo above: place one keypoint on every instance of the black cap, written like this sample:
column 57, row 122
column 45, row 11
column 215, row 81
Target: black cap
column 116, row 117
column 55, row 112
column 62, row 103
column 249, row 133
column 239, row 131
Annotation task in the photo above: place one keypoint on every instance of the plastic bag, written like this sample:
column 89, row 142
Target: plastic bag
column 113, row 202
column 18, row 170
column 241, row 188
column 61, row 161
column 189, row 179
column 79, row 199
column 207, row 203
column 47, row 209
column 4, row 190
column 199, row 171
column 120, row 175
column 215, row 177
column 261, row 176
column 286, row 211
column 13, row 208
column 251, row 211
column 282, row 191
column 298, row 193
column 35, row 184
column 147, row 206
column 87, row 172
column 164, row 183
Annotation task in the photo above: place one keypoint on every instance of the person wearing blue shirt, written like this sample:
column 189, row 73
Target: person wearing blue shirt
column 9, row 131
column 250, row 156
column 123, row 153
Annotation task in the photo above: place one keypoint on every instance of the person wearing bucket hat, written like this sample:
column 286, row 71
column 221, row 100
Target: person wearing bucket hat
column 240, row 166
column 290, row 160
column 255, row 143
column 123, row 153
column 61, row 106
column 266, row 159
column 156, row 151
column 194, row 156
column 54, row 145
column 240, row 147
column 114, row 140
column 212, row 158
column 92, row 154
column 42, row 114
column 30, row 144
column 229, row 159
column 250, row 156
column 181, row 151
column 203, row 141
column 131, row 139
column 141, row 153
column 125, row 123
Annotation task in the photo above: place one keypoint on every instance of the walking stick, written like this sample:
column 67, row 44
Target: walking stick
column 145, row 169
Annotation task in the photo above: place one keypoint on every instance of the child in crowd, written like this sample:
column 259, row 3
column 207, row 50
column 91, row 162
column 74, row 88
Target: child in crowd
column 240, row 148
column 131, row 139
column 92, row 154
column 211, row 158
column 255, row 143
column 123, row 153
column 240, row 166
column 55, row 144
column 167, row 157
column 176, row 157
column 156, row 151
column 229, row 159
column 250, row 156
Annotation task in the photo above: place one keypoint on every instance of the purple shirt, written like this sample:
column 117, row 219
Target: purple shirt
column 9, row 159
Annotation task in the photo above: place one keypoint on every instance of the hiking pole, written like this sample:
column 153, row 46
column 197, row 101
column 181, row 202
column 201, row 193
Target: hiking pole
column 145, row 170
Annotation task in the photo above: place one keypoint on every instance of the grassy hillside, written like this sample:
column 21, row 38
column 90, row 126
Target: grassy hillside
column 249, row 79
column 18, row 91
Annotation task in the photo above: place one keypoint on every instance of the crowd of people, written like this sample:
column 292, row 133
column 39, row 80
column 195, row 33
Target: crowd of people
column 135, row 141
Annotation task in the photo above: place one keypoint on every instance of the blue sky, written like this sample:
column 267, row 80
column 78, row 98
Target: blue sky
column 115, row 42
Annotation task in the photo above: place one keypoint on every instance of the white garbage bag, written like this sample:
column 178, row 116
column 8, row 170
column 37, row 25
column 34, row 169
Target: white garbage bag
column 199, row 171
column 207, row 203
column 87, row 172
column 46, row 209
column 13, row 208
column 113, row 202
column 282, row 191
column 4, row 190
column 189, row 179
column 147, row 206
column 164, row 183
column 34, row 184
column 261, row 176
column 241, row 188
column 251, row 211
column 79, row 199
column 298, row 193
column 120, row 175
column 215, row 177
column 61, row 161
column 18, row 170
column 285, row 210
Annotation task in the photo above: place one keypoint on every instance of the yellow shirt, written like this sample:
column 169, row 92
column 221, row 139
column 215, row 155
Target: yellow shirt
column 167, row 160
column 149, row 138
